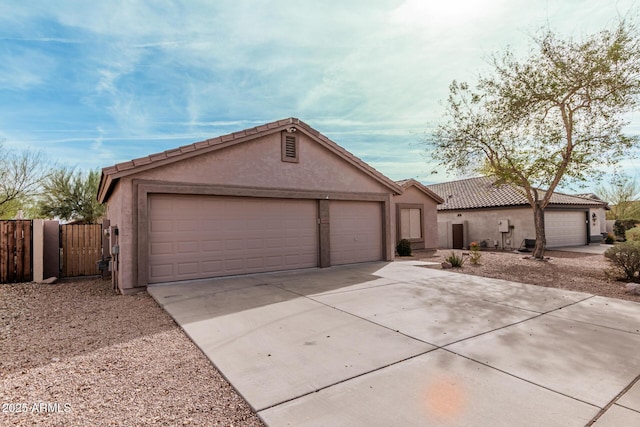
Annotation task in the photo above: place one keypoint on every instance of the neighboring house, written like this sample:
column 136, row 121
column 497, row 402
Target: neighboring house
column 475, row 209
column 279, row 196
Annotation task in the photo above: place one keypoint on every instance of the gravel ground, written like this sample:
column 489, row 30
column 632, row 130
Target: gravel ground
column 76, row 353
column 566, row 270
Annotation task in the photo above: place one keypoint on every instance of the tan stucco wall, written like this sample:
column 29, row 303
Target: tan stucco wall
column 482, row 224
column 412, row 195
column 258, row 163
column 252, row 164
column 120, row 214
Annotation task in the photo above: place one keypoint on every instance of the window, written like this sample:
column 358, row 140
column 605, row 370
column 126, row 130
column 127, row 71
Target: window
column 289, row 147
column 411, row 223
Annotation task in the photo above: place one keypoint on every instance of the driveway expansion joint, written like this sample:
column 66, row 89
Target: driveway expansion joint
column 486, row 364
column 344, row 380
column 613, row 402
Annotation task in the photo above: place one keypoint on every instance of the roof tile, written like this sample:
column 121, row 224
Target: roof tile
column 481, row 192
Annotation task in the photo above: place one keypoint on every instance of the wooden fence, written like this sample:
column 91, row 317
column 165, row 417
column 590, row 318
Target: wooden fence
column 15, row 251
column 81, row 248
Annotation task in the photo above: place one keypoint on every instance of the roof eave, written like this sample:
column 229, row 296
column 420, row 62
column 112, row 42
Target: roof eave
column 110, row 175
column 412, row 182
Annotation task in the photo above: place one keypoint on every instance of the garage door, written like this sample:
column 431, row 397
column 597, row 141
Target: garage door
column 194, row 237
column 565, row 228
column 356, row 232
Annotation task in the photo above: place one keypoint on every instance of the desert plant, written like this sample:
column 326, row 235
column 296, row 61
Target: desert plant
column 404, row 248
column 633, row 234
column 621, row 226
column 475, row 255
column 610, row 239
column 625, row 258
column 455, row 260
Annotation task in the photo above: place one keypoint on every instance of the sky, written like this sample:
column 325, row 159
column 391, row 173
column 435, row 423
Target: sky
column 94, row 83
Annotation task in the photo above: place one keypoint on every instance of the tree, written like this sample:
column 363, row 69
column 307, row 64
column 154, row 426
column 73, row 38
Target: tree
column 550, row 118
column 21, row 173
column 71, row 195
column 622, row 194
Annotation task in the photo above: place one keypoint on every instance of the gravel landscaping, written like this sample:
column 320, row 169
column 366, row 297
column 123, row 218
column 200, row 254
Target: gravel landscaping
column 566, row 270
column 76, row 353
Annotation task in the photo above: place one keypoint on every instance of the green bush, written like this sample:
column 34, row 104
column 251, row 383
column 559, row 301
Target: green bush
column 625, row 258
column 404, row 248
column 633, row 234
column 621, row 226
column 455, row 260
column 610, row 239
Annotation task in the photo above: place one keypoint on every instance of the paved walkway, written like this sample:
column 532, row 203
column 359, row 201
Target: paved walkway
column 399, row 344
column 585, row 249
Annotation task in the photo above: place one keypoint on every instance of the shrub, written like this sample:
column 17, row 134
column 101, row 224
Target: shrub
column 622, row 225
column 455, row 260
column 610, row 239
column 404, row 248
column 625, row 257
column 474, row 257
column 633, row 234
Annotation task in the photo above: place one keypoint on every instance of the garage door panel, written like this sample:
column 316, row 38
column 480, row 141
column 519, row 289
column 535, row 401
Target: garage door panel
column 212, row 246
column 162, row 271
column 159, row 226
column 187, row 268
column 187, row 247
column 565, row 228
column 188, row 225
column 209, row 267
column 355, row 232
column 205, row 236
column 161, row 248
column 233, row 244
column 255, row 263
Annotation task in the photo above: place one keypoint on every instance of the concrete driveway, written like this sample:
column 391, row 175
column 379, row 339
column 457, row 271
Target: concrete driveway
column 399, row 344
column 595, row 249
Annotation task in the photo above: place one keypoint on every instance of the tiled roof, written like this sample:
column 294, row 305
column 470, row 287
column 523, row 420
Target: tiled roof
column 112, row 173
column 480, row 192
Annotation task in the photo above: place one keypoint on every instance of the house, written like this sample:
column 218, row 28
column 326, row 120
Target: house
column 476, row 209
column 280, row 196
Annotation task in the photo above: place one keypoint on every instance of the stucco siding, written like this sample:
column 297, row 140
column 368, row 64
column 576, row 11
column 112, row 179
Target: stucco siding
column 258, row 163
column 482, row 225
column 412, row 195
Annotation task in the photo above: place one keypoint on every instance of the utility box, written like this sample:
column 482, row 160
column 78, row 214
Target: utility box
column 503, row 225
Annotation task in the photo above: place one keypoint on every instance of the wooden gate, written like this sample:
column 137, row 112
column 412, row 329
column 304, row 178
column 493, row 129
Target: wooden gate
column 15, row 251
column 81, row 249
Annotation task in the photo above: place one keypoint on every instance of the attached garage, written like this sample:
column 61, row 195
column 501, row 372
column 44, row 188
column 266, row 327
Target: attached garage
column 565, row 228
column 280, row 196
column 192, row 237
column 356, row 232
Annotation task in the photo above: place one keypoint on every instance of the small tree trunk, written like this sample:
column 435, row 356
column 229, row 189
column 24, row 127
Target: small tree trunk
column 541, row 241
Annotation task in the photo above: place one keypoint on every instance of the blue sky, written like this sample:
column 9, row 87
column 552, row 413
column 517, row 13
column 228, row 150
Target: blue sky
column 94, row 83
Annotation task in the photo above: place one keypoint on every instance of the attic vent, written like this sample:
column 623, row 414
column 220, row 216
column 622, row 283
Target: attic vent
column 289, row 148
